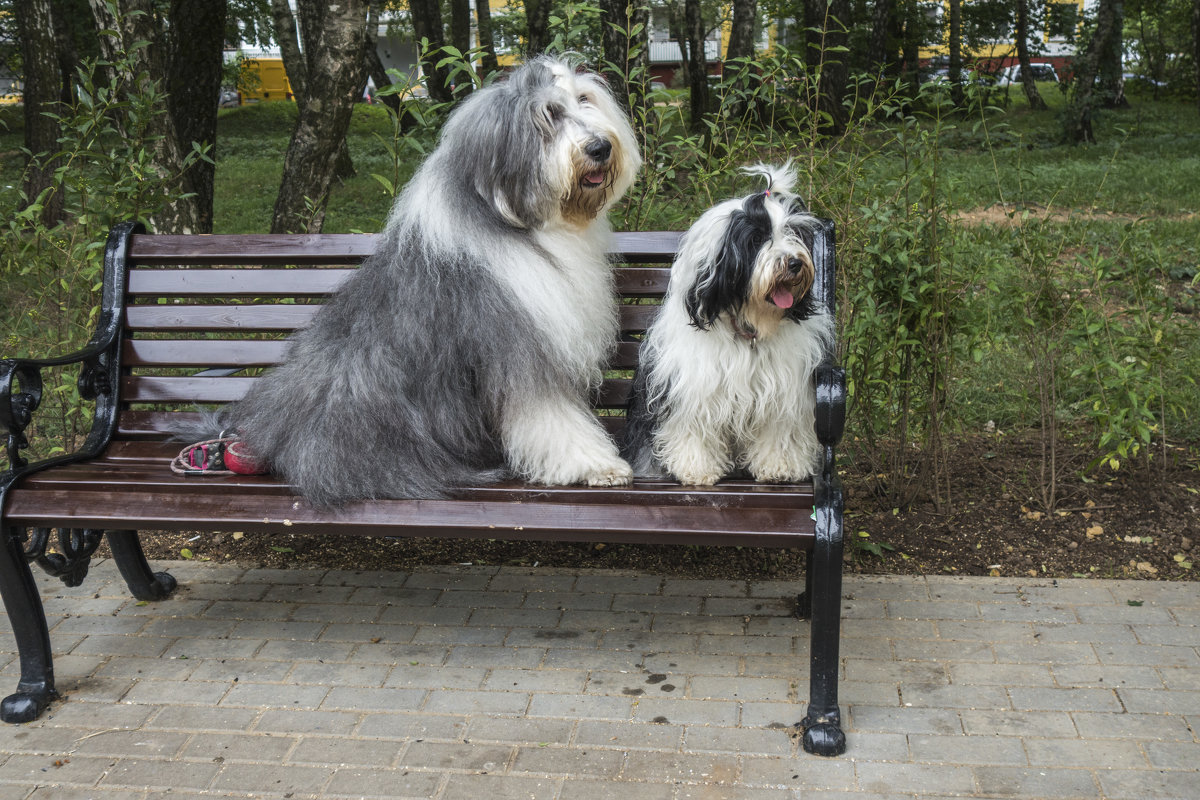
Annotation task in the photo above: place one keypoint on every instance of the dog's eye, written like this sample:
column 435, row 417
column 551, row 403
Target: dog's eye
column 584, row 100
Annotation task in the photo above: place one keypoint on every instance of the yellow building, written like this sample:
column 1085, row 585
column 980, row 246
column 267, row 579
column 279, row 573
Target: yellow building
column 987, row 32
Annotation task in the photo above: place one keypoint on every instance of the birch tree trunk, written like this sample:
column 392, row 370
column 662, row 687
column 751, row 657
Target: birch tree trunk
column 1022, row 32
column 334, row 37
column 955, row 72
column 1077, row 120
column 288, row 38
column 39, row 54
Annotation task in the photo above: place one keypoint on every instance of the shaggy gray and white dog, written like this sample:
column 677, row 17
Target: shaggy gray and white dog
column 725, row 377
column 465, row 348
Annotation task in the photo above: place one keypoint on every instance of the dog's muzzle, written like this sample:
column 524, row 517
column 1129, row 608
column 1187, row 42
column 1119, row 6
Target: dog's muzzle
column 598, row 150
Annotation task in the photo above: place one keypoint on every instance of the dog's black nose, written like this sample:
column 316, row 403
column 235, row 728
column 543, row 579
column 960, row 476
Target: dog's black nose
column 796, row 264
column 598, row 150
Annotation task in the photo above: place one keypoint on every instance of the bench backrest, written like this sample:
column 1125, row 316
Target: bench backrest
column 200, row 310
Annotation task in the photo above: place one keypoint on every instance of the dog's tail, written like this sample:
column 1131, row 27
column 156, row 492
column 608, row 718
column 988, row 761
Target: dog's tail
column 208, row 423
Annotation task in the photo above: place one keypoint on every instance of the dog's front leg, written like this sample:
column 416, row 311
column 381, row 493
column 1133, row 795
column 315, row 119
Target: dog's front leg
column 695, row 453
column 783, row 451
column 557, row 441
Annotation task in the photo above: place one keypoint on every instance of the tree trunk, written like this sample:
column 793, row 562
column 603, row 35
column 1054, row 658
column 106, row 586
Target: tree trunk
column 460, row 35
column 427, row 25
column 834, row 70
column 1108, row 69
column 815, row 12
column 626, row 54
column 1022, row 33
column 910, row 44
column 139, row 23
column 697, row 63
column 39, row 54
column 537, row 24
column 677, row 28
column 742, row 30
column 196, row 38
column 955, row 68
column 374, row 65
column 73, row 26
column 334, row 40
column 879, row 60
column 460, row 25
column 1196, row 47
column 487, row 42
column 288, row 37
column 292, row 34
column 1077, row 120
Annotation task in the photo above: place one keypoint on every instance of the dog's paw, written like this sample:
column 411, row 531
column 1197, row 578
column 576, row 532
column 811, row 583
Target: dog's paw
column 780, row 471
column 617, row 474
column 699, row 478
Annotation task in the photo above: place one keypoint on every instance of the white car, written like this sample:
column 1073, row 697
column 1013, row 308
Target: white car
column 1040, row 69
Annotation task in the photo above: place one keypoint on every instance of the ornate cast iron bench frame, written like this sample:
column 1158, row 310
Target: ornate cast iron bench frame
column 172, row 305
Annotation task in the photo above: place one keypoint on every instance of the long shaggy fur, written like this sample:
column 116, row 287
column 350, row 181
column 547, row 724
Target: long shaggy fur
column 464, row 349
column 724, row 382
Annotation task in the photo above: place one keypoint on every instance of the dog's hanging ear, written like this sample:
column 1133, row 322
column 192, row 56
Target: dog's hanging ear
column 723, row 279
column 496, row 140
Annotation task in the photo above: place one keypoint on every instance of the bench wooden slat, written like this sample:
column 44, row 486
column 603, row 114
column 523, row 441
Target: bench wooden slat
column 236, row 282
column 140, row 424
column 528, row 520
column 134, row 476
column 240, row 318
column 203, row 353
column 614, row 392
column 650, row 247
column 276, row 318
column 299, row 282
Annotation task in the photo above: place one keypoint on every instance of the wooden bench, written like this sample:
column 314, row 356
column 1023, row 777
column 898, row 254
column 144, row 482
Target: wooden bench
column 183, row 316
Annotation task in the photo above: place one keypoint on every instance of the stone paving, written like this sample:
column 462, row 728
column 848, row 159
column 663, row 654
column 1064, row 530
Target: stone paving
column 500, row 683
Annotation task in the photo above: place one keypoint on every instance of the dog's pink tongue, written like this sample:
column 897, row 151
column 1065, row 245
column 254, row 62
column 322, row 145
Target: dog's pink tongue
column 783, row 298
column 594, row 178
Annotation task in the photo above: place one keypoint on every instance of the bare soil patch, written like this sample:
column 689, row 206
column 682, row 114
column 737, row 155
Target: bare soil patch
column 1010, row 215
column 1131, row 524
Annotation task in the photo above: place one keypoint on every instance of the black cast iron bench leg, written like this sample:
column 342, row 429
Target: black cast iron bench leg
column 143, row 582
column 822, row 724
column 23, row 603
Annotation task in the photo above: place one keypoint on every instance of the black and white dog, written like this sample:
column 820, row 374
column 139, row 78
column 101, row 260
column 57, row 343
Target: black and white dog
column 725, row 376
column 465, row 348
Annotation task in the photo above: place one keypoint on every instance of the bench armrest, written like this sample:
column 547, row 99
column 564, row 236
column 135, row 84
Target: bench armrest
column 830, row 383
column 99, row 360
column 21, row 390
